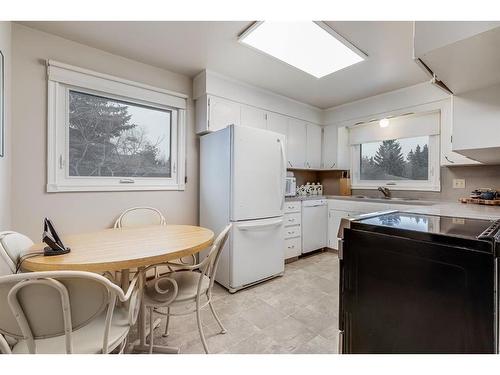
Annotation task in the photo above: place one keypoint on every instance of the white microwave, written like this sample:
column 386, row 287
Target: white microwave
column 290, row 187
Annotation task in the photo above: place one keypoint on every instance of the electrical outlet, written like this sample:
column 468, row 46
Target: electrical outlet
column 458, row 183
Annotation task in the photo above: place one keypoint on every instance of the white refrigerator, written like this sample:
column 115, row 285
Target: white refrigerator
column 242, row 181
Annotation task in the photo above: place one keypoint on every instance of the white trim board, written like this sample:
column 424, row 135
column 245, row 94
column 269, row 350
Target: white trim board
column 392, row 101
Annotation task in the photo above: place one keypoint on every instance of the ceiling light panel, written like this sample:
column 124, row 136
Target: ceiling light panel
column 310, row 46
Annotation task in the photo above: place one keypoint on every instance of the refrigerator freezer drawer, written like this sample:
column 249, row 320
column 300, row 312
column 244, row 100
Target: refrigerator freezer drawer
column 257, row 251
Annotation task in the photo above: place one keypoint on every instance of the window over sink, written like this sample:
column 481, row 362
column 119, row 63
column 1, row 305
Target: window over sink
column 404, row 157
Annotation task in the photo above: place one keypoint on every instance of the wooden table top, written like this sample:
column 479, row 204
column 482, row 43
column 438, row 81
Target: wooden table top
column 124, row 248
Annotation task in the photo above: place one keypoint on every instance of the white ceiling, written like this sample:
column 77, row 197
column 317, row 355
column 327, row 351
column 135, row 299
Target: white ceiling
column 189, row 47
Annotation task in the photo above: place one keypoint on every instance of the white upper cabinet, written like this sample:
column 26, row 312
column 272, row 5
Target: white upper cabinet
column 313, row 146
column 277, row 123
column 214, row 113
column 253, row 117
column 462, row 54
column 296, row 143
column 330, row 147
column 448, row 156
column 343, row 150
column 476, row 117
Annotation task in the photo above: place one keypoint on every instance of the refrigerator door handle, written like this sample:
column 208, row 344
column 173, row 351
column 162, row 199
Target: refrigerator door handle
column 283, row 166
column 260, row 226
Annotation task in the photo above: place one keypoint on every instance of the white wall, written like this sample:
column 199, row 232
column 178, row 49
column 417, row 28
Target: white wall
column 391, row 101
column 77, row 212
column 5, row 162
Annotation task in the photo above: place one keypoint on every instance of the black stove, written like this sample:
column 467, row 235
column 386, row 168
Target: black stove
column 413, row 283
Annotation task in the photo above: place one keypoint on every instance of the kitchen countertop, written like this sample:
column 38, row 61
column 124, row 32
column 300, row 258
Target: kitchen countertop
column 454, row 209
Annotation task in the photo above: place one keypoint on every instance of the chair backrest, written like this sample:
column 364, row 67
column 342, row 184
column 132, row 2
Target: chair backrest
column 12, row 246
column 209, row 265
column 40, row 305
column 137, row 216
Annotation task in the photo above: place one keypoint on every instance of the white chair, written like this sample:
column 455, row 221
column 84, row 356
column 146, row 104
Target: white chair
column 138, row 216
column 12, row 246
column 65, row 312
column 193, row 283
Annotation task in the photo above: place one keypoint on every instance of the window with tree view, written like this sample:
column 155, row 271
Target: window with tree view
column 114, row 138
column 395, row 159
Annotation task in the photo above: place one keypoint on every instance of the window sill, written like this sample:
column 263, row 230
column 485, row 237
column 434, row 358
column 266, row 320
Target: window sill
column 54, row 188
column 396, row 187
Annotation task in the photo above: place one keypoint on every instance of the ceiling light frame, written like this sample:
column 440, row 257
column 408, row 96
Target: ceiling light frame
column 321, row 24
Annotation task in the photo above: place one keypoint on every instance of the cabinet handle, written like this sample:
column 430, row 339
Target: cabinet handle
column 451, row 161
column 290, row 232
column 291, row 247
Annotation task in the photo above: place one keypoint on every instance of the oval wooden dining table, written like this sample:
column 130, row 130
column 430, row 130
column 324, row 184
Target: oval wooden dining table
column 122, row 249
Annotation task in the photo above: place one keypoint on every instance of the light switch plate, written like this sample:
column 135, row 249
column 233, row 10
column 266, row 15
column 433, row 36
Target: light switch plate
column 458, row 183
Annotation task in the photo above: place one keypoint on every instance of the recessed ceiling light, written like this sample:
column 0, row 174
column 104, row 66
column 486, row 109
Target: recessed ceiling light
column 384, row 123
column 312, row 47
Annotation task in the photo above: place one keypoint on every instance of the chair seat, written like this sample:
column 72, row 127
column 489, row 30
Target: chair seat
column 86, row 340
column 187, row 282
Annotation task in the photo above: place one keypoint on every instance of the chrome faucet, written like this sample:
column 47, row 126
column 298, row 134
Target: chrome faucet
column 385, row 191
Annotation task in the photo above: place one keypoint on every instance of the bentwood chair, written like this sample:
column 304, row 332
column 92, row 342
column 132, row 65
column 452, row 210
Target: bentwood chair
column 65, row 312
column 139, row 216
column 12, row 246
column 189, row 285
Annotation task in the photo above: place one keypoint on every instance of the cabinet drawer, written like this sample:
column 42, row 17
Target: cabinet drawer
column 292, row 219
column 291, row 232
column 292, row 206
column 292, row 248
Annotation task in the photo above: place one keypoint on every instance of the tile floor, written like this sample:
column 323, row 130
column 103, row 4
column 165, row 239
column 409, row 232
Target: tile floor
column 295, row 313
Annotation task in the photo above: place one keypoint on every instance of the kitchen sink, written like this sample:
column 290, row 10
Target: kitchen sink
column 413, row 201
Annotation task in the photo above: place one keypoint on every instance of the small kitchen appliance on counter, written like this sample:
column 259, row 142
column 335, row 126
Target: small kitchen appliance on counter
column 412, row 283
column 290, row 186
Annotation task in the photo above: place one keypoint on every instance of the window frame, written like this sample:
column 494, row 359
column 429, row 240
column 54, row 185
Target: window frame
column 81, row 80
column 431, row 184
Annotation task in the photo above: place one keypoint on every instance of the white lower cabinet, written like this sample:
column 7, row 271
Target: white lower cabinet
column 338, row 209
column 334, row 219
column 292, row 247
column 293, row 229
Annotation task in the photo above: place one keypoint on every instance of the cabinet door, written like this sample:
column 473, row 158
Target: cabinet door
column 293, row 247
column 343, row 149
column 313, row 148
column 222, row 112
column 448, row 157
column 296, row 136
column 329, row 147
column 253, row 117
column 277, row 123
column 334, row 218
